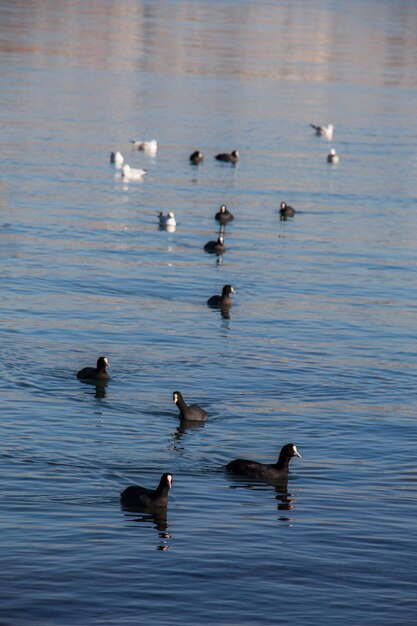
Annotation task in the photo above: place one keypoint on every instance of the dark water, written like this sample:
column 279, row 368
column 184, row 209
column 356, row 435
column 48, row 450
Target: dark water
column 318, row 349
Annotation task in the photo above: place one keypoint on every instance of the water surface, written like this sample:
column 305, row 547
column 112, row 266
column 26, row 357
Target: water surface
column 318, row 349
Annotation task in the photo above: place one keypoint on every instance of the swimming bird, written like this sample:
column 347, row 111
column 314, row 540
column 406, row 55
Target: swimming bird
column 215, row 246
column 130, row 173
column 332, row 157
column 150, row 146
column 167, row 220
column 192, row 412
column 141, row 497
column 232, row 157
column 286, row 211
column 117, row 159
column 223, row 215
column 96, row 373
column 324, row 131
column 270, row 472
column 196, row 157
column 224, row 300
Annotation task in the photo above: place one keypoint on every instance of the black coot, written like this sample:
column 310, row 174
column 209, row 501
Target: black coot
column 96, row 373
column 215, row 246
column 196, row 157
column 135, row 496
column 286, row 211
column 270, row 472
column 228, row 157
column 223, row 215
column 193, row 412
column 224, row 300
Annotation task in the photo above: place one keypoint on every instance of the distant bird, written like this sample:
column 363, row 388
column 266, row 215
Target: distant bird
column 117, row 159
column 223, row 215
column 192, row 412
column 270, row 472
column 232, row 157
column 141, row 497
column 224, row 300
column 286, row 211
column 215, row 246
column 324, row 131
column 167, row 220
column 96, row 373
column 150, row 146
column 196, row 157
column 130, row 173
column 332, row 157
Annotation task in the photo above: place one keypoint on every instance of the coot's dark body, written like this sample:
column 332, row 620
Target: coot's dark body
column 270, row 472
column 228, row 157
column 286, row 211
column 141, row 497
column 216, row 247
column 224, row 300
column 223, row 215
column 192, row 412
column 95, row 373
column 196, row 157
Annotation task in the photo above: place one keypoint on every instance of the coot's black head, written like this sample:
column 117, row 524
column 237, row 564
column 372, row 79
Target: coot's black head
column 220, row 240
column 223, row 208
column 227, row 290
column 177, row 396
column 102, row 363
column 288, row 451
column 166, row 481
column 196, row 157
column 235, row 154
column 283, row 205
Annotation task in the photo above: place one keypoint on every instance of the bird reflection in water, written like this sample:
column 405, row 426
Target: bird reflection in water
column 159, row 519
column 224, row 310
column 100, row 391
column 219, row 259
column 98, row 388
column 285, row 500
column 170, row 228
column 225, row 313
column 183, row 427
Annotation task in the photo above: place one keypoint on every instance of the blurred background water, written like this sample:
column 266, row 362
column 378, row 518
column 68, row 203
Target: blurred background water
column 318, row 349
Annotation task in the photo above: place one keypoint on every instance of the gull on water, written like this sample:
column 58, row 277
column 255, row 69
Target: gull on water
column 167, row 220
column 324, row 131
column 150, row 146
column 130, row 173
column 332, row 157
column 117, row 159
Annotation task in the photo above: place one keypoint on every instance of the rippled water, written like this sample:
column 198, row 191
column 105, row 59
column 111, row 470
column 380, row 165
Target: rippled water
column 318, row 349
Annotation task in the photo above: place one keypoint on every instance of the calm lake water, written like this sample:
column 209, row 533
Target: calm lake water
column 319, row 348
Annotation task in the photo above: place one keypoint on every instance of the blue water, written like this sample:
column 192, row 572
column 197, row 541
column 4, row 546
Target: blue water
column 319, row 347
